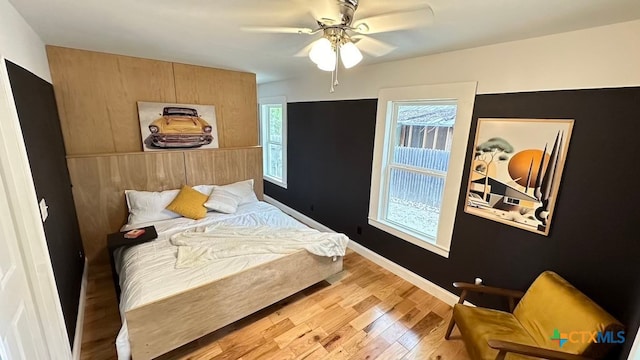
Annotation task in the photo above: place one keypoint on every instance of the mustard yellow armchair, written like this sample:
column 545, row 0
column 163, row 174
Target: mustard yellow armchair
column 553, row 320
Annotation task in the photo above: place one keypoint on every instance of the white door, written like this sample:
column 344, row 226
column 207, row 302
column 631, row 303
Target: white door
column 21, row 336
column 635, row 350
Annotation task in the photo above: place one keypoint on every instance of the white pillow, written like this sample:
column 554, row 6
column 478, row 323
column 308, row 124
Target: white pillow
column 204, row 189
column 145, row 206
column 222, row 201
column 242, row 189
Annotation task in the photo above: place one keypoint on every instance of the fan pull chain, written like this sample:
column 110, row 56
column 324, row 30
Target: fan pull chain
column 332, row 77
column 337, row 62
column 334, row 73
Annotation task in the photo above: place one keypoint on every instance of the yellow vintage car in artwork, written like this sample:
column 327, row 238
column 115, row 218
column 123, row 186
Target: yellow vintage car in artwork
column 180, row 127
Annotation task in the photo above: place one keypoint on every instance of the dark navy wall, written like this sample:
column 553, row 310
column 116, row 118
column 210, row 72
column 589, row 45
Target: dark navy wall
column 593, row 243
column 38, row 113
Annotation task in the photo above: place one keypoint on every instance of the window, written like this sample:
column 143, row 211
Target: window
column 421, row 139
column 273, row 137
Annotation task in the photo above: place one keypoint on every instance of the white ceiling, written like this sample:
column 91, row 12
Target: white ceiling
column 207, row 32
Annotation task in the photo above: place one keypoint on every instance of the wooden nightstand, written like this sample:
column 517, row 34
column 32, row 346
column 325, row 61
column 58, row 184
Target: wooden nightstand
column 117, row 240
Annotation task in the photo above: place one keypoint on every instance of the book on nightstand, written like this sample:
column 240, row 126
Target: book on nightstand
column 131, row 237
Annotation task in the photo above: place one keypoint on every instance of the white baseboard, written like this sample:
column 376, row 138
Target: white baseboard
column 77, row 339
column 406, row 274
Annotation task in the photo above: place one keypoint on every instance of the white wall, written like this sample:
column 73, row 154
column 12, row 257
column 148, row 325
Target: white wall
column 606, row 56
column 22, row 46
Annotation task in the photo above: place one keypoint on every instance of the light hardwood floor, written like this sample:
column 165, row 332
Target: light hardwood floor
column 365, row 312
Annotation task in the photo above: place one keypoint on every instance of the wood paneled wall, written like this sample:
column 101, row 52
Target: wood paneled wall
column 97, row 94
column 226, row 167
column 234, row 94
column 99, row 183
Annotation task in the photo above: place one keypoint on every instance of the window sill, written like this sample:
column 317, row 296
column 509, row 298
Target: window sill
column 434, row 248
column 275, row 181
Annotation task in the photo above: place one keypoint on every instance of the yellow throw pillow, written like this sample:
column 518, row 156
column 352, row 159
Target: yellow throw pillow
column 189, row 203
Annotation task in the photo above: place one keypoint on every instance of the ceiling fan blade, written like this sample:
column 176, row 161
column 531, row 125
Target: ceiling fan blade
column 372, row 46
column 395, row 21
column 325, row 11
column 278, row 30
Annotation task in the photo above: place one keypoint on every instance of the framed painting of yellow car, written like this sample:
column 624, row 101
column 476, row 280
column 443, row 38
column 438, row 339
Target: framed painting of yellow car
column 177, row 126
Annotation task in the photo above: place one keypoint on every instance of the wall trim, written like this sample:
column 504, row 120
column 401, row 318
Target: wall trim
column 77, row 339
column 404, row 273
column 407, row 275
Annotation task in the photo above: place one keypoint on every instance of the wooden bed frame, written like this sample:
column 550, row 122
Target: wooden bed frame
column 159, row 327
column 156, row 328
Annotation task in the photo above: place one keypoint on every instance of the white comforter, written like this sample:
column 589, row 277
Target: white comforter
column 148, row 272
column 218, row 241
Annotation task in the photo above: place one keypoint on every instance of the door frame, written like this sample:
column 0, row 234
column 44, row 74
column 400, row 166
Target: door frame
column 23, row 204
column 634, row 354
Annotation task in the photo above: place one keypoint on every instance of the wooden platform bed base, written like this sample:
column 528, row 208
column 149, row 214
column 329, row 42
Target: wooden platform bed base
column 166, row 324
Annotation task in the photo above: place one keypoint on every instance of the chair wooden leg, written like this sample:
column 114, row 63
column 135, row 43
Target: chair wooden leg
column 452, row 323
column 501, row 355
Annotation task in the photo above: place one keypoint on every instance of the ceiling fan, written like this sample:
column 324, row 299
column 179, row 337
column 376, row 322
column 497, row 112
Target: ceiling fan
column 341, row 32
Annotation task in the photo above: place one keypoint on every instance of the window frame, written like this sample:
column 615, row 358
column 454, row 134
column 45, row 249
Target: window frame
column 265, row 141
column 464, row 96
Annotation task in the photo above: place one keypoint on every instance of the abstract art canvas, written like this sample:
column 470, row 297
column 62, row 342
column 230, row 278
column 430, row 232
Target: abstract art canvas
column 516, row 171
column 177, row 126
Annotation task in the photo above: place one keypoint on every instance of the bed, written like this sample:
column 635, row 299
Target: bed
column 161, row 321
column 196, row 300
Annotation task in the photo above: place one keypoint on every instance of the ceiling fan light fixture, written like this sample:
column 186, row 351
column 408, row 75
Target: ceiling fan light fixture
column 350, row 55
column 321, row 51
column 328, row 64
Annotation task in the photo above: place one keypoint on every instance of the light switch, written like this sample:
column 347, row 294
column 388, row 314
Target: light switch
column 44, row 210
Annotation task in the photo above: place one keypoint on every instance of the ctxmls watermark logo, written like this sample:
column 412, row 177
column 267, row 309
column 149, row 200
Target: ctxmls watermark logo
column 600, row 337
